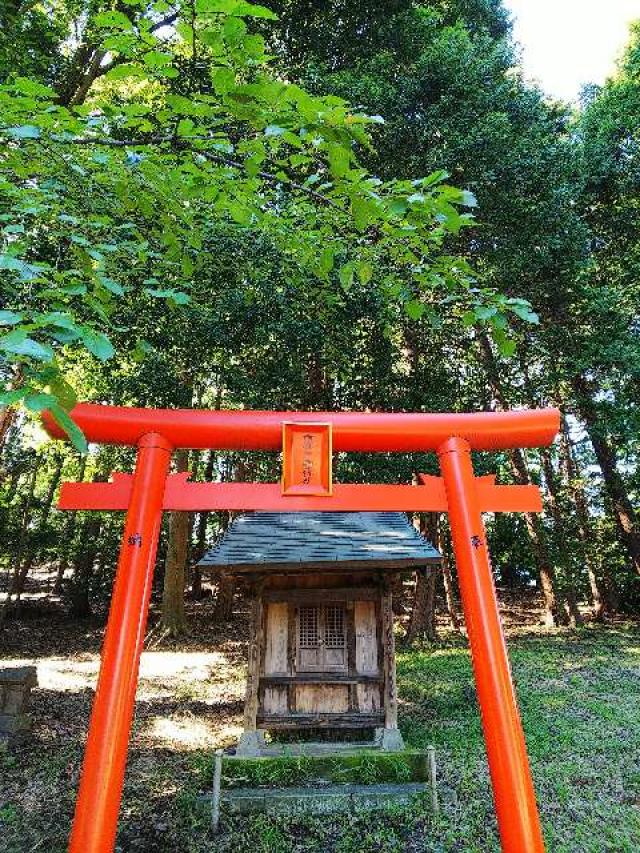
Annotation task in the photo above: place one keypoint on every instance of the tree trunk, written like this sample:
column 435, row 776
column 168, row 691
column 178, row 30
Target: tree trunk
column 243, row 472
column 32, row 547
column 570, row 603
column 68, row 535
column 8, row 413
column 85, row 556
column 546, row 574
column 226, row 585
column 224, row 598
column 13, row 486
column 423, row 611
column 585, row 533
column 442, row 546
column 422, row 621
column 22, row 540
column 625, row 516
column 173, row 621
column 80, row 586
column 201, row 534
column 7, row 417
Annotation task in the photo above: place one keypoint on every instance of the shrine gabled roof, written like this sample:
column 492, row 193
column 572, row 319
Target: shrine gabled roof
column 324, row 540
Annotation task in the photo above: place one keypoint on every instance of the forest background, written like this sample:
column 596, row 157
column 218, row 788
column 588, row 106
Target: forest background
column 319, row 206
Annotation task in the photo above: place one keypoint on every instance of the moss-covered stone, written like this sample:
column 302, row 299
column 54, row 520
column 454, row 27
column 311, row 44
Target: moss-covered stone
column 364, row 768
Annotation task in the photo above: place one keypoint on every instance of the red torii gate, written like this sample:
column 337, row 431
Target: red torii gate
column 307, row 441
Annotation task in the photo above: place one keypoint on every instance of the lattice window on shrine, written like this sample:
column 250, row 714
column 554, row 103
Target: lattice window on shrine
column 321, row 638
column 334, row 636
column 309, row 636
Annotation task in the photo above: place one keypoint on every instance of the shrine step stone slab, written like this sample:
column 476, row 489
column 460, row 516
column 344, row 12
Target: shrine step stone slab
column 321, row 800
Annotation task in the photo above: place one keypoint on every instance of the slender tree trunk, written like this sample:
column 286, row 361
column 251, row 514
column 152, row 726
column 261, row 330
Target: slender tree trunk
column 8, row 414
column 223, row 609
column 574, row 616
column 243, row 472
column 22, row 540
column 585, row 533
column 32, row 547
column 86, row 552
column 7, row 417
column 173, row 621
column 224, row 598
column 625, row 515
column 546, row 573
column 423, row 612
column 13, row 486
column 68, row 536
column 201, row 534
column 83, row 569
column 442, row 546
column 422, row 621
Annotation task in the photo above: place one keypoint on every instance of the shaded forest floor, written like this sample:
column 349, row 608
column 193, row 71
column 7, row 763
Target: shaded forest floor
column 579, row 694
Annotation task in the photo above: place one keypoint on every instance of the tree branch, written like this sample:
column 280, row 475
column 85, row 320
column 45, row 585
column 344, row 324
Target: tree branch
column 214, row 158
column 165, row 22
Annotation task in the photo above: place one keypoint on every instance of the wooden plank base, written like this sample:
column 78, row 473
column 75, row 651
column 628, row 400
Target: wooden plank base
column 320, row 721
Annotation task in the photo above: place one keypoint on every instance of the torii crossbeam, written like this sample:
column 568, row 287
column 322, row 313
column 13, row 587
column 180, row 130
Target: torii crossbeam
column 307, row 441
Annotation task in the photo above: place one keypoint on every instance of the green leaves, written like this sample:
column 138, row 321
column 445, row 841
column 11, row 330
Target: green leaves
column 414, row 309
column 523, row 310
column 364, row 212
column 138, row 177
column 175, row 296
column 157, row 59
column 19, row 343
column 234, row 8
column 506, row 345
column 346, row 275
column 339, row 160
column 43, row 402
column 126, row 70
column 113, row 21
column 24, row 131
column 98, row 344
column 63, row 420
column 10, row 318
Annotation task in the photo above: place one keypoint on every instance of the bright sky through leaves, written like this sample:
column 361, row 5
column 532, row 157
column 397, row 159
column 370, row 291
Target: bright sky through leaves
column 568, row 43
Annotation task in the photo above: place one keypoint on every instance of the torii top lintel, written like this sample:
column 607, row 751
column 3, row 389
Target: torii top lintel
column 352, row 431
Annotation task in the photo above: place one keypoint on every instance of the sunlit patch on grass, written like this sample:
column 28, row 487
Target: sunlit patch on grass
column 183, row 733
column 188, row 733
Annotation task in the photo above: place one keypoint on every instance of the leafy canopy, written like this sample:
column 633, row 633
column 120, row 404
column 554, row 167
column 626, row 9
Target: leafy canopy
column 111, row 188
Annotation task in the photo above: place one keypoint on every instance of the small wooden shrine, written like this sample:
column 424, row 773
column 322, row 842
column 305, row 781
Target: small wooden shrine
column 321, row 652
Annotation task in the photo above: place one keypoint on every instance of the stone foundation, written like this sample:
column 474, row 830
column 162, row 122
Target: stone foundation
column 15, row 693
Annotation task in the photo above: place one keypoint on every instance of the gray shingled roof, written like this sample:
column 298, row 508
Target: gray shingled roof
column 269, row 539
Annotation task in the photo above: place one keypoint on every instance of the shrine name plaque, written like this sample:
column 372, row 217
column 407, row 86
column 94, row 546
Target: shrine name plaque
column 306, row 459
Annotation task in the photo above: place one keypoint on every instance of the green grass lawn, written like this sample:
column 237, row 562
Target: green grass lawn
column 580, row 700
column 579, row 696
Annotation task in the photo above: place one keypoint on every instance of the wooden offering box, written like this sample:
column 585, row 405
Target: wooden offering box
column 321, row 650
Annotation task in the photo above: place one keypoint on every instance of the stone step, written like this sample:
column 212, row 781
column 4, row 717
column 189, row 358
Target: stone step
column 282, row 750
column 321, row 799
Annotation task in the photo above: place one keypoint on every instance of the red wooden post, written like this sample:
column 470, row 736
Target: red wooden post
column 96, row 816
column 514, row 796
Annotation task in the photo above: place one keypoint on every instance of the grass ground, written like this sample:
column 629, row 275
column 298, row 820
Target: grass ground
column 579, row 695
